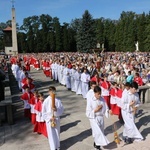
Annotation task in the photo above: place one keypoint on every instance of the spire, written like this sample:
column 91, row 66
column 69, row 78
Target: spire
column 13, row 2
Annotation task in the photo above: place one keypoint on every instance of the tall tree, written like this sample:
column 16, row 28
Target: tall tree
column 22, row 44
column 58, row 35
column 147, row 33
column 99, row 26
column 65, row 37
column 86, row 39
column 46, row 27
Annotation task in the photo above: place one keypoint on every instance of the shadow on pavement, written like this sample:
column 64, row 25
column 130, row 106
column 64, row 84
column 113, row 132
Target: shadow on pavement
column 69, row 125
column 74, row 139
column 143, row 121
column 145, row 132
column 111, row 146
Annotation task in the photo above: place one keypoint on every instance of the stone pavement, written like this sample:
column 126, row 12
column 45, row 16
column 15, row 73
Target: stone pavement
column 75, row 127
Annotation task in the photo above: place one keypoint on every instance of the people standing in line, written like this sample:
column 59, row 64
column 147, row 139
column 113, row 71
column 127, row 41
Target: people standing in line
column 26, row 96
column 33, row 101
column 113, row 98
column 95, row 110
column 85, row 79
column 68, row 77
column 20, row 77
column 30, row 84
column 47, row 113
column 95, row 78
column 129, row 77
column 105, row 86
column 24, row 80
column 130, row 103
column 40, row 125
column 72, row 80
column 90, row 93
column 138, row 79
column 78, row 83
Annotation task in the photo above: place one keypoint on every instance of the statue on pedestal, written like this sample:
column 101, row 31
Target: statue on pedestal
column 137, row 46
column 102, row 46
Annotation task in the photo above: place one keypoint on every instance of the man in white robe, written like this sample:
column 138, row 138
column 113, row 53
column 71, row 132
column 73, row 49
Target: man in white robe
column 129, row 104
column 47, row 113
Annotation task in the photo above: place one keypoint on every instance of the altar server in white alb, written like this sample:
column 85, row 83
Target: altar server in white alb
column 90, row 93
column 47, row 113
column 130, row 103
column 77, row 77
column 95, row 111
column 85, row 78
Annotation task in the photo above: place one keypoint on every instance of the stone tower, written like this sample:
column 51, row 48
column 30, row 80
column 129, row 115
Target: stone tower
column 14, row 32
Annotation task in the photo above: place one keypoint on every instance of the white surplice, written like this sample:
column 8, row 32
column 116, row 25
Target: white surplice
column 85, row 79
column 97, row 119
column 130, row 129
column 47, row 113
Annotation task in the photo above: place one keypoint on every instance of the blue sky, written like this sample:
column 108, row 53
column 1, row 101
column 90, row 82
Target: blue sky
column 66, row 10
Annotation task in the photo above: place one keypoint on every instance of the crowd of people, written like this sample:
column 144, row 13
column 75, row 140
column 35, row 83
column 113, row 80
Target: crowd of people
column 108, row 82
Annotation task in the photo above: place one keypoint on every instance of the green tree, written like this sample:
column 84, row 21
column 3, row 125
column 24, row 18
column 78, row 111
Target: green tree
column 99, row 26
column 46, row 27
column 22, row 44
column 86, row 39
column 147, row 33
column 58, row 35
column 65, row 37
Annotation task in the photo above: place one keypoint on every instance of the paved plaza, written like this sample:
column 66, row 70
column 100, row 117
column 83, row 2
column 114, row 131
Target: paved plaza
column 75, row 128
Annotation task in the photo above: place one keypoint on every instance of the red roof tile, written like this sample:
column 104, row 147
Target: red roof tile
column 7, row 29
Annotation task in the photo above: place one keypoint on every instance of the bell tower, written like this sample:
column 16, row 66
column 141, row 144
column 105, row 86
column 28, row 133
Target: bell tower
column 14, row 31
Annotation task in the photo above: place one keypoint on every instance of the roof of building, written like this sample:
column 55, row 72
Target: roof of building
column 7, row 29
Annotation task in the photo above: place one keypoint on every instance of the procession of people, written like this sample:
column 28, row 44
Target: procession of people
column 108, row 82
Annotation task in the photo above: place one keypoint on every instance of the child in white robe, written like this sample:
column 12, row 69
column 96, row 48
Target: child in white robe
column 95, row 111
column 90, row 93
column 130, row 103
column 47, row 114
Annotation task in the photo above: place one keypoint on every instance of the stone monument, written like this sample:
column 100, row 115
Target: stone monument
column 137, row 46
column 14, row 32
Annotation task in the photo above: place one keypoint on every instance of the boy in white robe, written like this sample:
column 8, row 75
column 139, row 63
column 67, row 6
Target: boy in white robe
column 95, row 111
column 77, row 77
column 85, row 79
column 129, row 104
column 90, row 93
column 47, row 114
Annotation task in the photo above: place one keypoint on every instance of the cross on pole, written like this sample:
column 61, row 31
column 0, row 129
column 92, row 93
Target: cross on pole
column 12, row 1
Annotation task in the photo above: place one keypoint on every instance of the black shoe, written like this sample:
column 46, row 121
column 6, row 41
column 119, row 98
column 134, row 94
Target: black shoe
column 128, row 140
column 96, row 147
